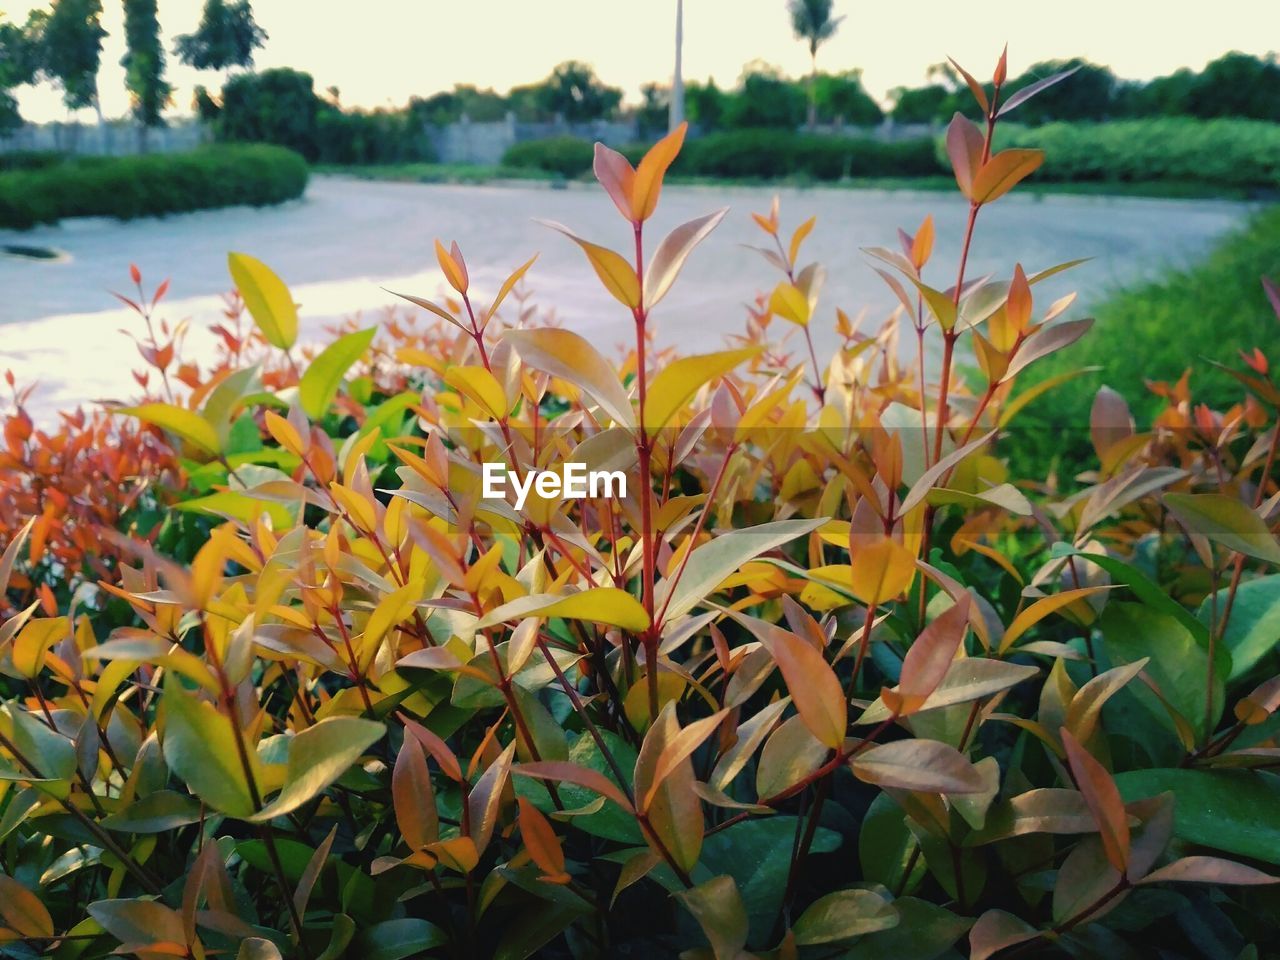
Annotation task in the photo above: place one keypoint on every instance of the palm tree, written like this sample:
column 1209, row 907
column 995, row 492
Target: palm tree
column 812, row 22
column 676, row 113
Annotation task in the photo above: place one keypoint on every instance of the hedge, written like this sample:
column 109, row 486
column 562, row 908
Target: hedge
column 769, row 154
column 152, row 185
column 1241, row 153
column 566, row 156
column 752, row 155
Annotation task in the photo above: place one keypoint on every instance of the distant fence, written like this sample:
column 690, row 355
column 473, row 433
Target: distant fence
column 111, row 139
column 485, row 143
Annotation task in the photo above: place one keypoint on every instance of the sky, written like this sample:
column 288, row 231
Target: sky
column 381, row 52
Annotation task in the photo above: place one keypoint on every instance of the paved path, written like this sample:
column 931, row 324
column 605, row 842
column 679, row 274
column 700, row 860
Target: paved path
column 347, row 238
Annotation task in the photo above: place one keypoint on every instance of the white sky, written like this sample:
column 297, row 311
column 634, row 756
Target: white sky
column 380, row 52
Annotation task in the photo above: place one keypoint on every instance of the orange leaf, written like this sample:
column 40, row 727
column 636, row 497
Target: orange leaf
column 451, row 265
column 931, row 656
column 1100, row 793
column 648, row 181
column 413, row 796
column 814, row 688
column 1003, row 172
column 541, row 841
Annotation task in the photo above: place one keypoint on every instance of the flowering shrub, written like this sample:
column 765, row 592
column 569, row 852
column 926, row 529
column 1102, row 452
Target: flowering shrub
column 826, row 681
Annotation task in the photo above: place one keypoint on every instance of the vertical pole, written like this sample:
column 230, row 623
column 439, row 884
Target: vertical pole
column 676, row 115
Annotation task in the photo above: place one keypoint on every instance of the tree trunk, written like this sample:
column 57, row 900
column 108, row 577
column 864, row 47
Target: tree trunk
column 813, row 89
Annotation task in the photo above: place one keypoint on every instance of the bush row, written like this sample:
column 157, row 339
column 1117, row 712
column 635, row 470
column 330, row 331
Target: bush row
column 1241, row 153
column 751, row 154
column 152, row 185
column 29, row 160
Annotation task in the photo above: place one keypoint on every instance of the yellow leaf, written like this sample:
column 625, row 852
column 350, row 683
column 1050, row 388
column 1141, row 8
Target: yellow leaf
column 813, row 685
column 481, row 386
column 677, row 382
column 648, row 180
column 880, row 570
column 506, row 288
column 598, row 605
column 1041, row 609
column 284, row 433
column 797, row 238
column 567, row 355
column 617, row 275
column 266, row 298
column 790, row 303
column 33, row 643
column 187, row 424
column 359, row 510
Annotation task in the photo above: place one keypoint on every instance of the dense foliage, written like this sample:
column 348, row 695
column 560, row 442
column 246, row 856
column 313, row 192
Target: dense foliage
column 151, row 185
column 1244, row 153
column 281, row 106
column 752, row 155
column 828, row 680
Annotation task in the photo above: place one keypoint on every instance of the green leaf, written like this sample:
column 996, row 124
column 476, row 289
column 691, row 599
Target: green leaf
column 1227, row 522
column 1145, row 589
column 1233, row 810
column 717, row 906
column 843, row 915
column 266, row 298
column 200, row 748
column 320, row 381
column 710, row 564
column 1254, row 628
column 186, row 424
column 756, row 854
column 397, row 939
column 1178, row 662
column 886, row 846
column 924, row 931
column 318, row 756
column 157, row 812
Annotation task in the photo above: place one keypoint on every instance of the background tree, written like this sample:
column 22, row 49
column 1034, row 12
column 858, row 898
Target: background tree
column 143, row 62
column 765, row 99
column 841, row 98
column 1088, row 95
column 18, row 65
column 69, row 48
column 1237, row 85
column 705, row 103
column 226, row 37
column 812, row 22
column 653, row 116
column 574, row 92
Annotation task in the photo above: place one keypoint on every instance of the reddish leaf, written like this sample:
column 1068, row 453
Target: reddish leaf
column 1103, row 798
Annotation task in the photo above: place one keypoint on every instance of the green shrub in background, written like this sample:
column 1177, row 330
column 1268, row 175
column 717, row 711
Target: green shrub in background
column 1242, row 153
column 767, row 154
column 152, row 185
column 751, row 155
column 566, row 156
column 29, row 160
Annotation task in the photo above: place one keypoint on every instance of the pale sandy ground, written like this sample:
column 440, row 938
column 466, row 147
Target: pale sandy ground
column 346, row 239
